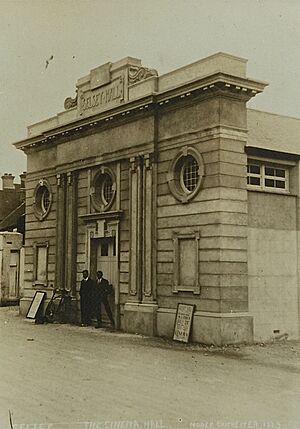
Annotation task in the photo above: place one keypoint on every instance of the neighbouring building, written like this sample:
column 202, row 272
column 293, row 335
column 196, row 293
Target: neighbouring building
column 177, row 192
column 15, row 220
column 12, row 196
column 12, row 223
column 11, row 267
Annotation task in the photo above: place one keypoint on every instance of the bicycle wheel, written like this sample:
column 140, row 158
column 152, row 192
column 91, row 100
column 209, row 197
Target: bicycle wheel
column 63, row 310
column 50, row 312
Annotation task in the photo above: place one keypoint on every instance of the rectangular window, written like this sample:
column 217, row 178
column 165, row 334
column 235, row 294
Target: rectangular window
column 41, row 264
column 186, row 262
column 267, row 176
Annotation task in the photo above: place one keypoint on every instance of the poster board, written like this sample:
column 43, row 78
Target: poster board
column 35, row 304
column 183, row 322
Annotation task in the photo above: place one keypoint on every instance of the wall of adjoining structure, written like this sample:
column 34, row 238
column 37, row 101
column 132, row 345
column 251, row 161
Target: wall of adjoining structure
column 273, row 266
column 273, row 235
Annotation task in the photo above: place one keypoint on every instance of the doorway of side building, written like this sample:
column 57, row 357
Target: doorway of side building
column 104, row 258
column 14, row 270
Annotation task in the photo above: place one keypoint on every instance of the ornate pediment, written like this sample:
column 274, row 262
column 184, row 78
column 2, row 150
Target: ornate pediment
column 107, row 86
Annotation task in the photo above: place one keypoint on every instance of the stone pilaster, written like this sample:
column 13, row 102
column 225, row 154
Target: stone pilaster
column 149, row 230
column 71, row 231
column 60, row 231
column 136, row 214
column 140, row 310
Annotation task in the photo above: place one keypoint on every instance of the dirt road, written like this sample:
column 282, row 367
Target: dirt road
column 62, row 376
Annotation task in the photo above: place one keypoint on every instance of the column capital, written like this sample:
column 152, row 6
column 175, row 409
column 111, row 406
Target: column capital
column 149, row 159
column 71, row 177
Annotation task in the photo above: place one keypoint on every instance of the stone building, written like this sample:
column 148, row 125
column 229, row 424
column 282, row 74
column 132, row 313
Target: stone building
column 11, row 267
column 178, row 192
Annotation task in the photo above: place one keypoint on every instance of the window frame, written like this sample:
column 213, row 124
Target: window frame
column 194, row 238
column 40, row 211
column 182, row 173
column 97, row 190
column 107, row 177
column 263, row 164
column 175, row 174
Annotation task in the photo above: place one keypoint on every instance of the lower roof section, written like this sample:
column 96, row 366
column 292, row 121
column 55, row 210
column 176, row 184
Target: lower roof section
column 273, row 132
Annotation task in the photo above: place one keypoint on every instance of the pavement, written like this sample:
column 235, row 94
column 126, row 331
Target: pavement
column 63, row 376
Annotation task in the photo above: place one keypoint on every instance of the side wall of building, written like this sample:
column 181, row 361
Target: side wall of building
column 216, row 129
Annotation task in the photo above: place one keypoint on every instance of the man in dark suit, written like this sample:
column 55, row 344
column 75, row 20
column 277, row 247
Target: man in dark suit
column 103, row 289
column 87, row 296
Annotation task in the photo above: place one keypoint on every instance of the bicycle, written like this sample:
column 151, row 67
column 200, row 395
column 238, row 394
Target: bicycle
column 58, row 307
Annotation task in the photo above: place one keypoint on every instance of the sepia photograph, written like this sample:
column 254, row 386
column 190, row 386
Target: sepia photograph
column 150, row 214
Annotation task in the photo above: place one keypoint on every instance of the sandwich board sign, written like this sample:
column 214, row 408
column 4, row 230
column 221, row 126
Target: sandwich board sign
column 183, row 322
column 35, row 304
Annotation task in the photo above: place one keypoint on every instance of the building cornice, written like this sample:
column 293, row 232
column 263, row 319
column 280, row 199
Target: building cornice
column 218, row 84
column 106, row 215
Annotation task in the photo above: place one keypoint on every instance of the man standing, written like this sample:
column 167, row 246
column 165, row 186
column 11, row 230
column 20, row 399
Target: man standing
column 103, row 289
column 87, row 289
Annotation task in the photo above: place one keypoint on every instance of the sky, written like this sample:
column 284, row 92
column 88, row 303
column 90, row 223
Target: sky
column 164, row 34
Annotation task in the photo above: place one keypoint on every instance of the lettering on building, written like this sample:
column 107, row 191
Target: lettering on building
column 104, row 97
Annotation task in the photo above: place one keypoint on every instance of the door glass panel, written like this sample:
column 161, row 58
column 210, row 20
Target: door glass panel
column 104, row 248
column 114, row 247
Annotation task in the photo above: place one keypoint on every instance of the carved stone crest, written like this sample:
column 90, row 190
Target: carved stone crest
column 70, row 102
column 136, row 74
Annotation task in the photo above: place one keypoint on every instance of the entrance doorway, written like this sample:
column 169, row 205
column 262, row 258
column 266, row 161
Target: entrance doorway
column 104, row 258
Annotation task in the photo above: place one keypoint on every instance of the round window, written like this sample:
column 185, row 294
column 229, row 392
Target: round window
column 185, row 174
column 107, row 188
column 189, row 173
column 42, row 199
column 104, row 189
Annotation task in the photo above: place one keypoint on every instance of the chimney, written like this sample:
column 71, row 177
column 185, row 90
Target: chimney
column 22, row 179
column 8, row 181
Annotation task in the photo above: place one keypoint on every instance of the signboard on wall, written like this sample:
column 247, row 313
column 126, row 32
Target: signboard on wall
column 35, row 304
column 183, row 322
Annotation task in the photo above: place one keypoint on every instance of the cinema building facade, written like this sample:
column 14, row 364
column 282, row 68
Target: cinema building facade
column 177, row 192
